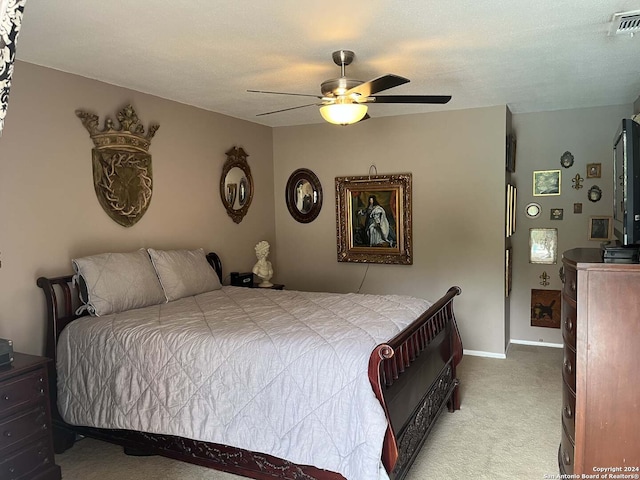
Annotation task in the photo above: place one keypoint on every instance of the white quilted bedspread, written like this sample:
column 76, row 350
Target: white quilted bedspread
column 278, row 372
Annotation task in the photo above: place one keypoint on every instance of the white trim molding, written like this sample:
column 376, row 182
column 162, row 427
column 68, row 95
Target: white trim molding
column 536, row 344
column 479, row 353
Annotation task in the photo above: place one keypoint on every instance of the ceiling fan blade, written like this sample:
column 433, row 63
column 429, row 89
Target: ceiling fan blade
column 411, row 99
column 284, row 93
column 287, row 109
column 378, row 84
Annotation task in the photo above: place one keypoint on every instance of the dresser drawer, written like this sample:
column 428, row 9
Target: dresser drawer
column 26, row 463
column 569, row 411
column 569, row 367
column 569, row 317
column 570, row 282
column 18, row 392
column 23, row 427
column 565, row 453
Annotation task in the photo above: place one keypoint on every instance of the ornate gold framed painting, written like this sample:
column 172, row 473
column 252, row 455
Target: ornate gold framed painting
column 373, row 219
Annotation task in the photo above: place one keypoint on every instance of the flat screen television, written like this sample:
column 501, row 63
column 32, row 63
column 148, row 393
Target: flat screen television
column 626, row 184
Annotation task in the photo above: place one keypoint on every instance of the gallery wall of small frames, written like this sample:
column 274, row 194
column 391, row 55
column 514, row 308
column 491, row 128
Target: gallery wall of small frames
column 543, row 242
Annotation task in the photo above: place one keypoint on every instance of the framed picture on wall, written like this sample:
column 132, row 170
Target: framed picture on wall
column 546, row 182
column 545, row 308
column 511, row 153
column 373, row 219
column 594, row 170
column 510, row 213
column 543, row 245
column 600, row 228
column 508, row 271
column 556, row 214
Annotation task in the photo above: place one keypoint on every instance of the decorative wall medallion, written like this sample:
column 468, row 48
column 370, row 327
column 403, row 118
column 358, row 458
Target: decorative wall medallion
column 556, row 214
column 566, row 160
column 532, row 210
column 122, row 174
column 545, row 279
column 595, row 194
column 577, row 182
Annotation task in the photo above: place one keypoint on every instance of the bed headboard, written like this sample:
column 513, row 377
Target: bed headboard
column 62, row 299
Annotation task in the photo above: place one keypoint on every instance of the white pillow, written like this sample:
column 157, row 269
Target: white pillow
column 115, row 282
column 183, row 273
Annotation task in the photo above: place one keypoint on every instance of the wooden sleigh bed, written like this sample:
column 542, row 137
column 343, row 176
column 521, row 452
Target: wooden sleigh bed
column 413, row 375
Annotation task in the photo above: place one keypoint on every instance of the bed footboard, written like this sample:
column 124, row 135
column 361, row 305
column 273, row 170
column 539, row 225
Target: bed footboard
column 414, row 378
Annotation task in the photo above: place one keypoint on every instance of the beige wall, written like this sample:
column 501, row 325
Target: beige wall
column 48, row 208
column 542, row 139
column 49, row 212
column 457, row 161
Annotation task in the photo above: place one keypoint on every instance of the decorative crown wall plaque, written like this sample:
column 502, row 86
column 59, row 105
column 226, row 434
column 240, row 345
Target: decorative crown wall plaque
column 122, row 174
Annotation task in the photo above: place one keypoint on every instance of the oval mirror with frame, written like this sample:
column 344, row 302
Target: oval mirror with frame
column 594, row 194
column 532, row 210
column 303, row 195
column 236, row 184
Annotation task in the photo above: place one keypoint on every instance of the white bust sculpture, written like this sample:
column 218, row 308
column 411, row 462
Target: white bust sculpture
column 263, row 268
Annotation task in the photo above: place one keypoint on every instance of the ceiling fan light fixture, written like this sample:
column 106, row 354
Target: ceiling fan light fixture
column 343, row 113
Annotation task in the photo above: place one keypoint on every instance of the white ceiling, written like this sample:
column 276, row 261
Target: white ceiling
column 532, row 55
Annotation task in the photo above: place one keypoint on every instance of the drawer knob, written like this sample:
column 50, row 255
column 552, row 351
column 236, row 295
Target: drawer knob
column 7, row 433
column 567, row 365
column 565, row 458
column 6, row 397
column 573, row 285
column 568, row 322
column 567, row 411
column 561, row 273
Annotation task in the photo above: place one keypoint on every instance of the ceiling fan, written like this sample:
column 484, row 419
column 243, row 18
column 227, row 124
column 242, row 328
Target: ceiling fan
column 343, row 100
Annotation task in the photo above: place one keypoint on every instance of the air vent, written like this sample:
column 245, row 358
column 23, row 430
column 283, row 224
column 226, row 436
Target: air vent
column 626, row 23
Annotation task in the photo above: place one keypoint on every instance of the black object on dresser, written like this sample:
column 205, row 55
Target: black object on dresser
column 601, row 367
column 26, row 445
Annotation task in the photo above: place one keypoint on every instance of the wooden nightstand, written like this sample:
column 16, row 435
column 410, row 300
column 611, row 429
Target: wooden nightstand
column 26, row 443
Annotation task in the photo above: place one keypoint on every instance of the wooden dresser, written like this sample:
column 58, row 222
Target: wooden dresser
column 601, row 366
column 26, row 445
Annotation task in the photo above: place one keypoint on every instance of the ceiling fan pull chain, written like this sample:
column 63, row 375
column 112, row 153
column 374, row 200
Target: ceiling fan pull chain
column 375, row 168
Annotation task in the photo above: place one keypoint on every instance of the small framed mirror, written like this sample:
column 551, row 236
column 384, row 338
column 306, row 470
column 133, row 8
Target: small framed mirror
column 236, row 184
column 532, row 210
column 303, row 195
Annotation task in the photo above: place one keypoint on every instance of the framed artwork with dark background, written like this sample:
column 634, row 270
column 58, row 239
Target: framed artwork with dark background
column 545, row 308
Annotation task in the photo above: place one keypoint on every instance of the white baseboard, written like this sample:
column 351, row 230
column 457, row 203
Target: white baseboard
column 537, row 344
column 478, row 353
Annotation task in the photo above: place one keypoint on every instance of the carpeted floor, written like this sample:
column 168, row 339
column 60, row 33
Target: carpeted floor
column 507, row 428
